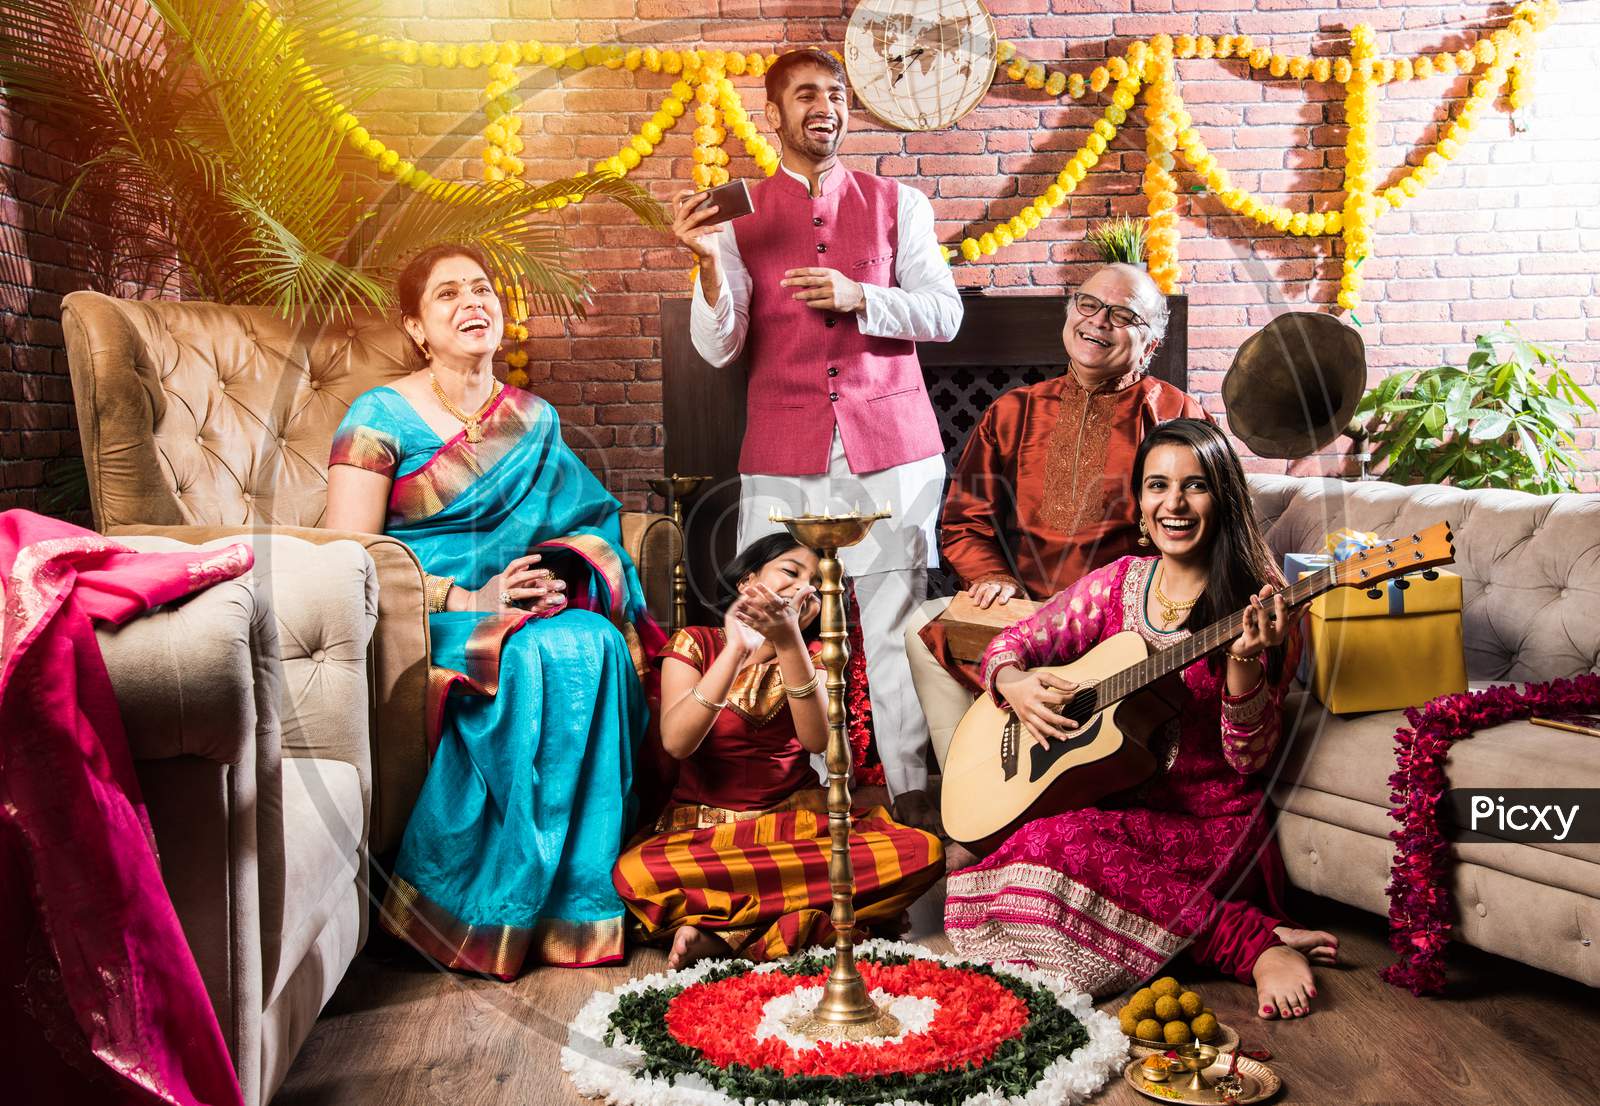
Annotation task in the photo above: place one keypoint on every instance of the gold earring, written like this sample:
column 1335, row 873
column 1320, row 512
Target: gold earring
column 1144, row 534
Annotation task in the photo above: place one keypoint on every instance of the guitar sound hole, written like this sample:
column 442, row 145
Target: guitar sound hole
column 1081, row 709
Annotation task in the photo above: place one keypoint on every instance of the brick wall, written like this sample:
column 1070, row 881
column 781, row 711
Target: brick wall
column 1510, row 230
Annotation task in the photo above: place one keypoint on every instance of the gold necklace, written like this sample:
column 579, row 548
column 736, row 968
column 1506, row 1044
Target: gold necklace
column 1171, row 609
column 471, row 422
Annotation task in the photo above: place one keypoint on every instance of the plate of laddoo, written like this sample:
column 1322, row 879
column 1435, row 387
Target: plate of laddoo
column 1167, row 1014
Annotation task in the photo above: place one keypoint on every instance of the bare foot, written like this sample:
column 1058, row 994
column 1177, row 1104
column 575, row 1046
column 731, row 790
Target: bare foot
column 690, row 944
column 1284, row 988
column 1318, row 945
column 915, row 809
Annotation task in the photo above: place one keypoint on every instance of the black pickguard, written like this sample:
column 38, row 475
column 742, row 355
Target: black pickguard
column 1043, row 758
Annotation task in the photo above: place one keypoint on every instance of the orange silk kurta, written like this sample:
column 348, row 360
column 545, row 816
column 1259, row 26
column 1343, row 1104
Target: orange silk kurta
column 1046, row 476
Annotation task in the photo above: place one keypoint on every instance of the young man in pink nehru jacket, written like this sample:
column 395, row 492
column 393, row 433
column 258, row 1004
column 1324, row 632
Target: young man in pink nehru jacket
column 829, row 283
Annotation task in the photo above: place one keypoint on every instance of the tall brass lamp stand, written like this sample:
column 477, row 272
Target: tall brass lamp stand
column 675, row 489
column 845, row 1011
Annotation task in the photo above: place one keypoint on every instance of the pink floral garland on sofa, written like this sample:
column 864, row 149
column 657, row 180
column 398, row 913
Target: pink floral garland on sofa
column 1420, row 903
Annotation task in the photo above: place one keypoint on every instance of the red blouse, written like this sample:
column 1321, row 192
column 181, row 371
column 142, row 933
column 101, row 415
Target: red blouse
column 751, row 758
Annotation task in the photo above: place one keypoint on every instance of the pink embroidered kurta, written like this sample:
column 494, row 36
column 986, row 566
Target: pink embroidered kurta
column 1107, row 895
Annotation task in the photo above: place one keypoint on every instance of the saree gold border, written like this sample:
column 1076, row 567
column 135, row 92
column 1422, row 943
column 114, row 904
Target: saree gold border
column 457, row 464
column 500, row 951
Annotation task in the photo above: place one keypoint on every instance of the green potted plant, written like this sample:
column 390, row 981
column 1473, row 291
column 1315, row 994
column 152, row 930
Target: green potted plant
column 1497, row 423
column 1120, row 239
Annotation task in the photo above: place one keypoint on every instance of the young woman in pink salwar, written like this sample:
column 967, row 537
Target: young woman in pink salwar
column 1107, row 895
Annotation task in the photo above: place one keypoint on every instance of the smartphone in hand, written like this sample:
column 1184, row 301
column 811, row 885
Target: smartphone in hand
column 731, row 201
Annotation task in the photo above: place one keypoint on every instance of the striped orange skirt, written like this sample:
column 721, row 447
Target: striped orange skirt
column 760, row 880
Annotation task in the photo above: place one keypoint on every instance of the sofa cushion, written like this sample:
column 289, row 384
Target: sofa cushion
column 322, row 823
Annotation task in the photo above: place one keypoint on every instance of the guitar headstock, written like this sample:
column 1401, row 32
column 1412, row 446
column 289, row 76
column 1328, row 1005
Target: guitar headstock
column 1398, row 556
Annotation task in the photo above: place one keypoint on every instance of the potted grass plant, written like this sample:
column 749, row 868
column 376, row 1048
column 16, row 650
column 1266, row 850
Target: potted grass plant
column 1119, row 240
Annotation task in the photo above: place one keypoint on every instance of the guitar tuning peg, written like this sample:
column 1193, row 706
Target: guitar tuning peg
column 1402, row 583
column 1430, row 574
column 1375, row 593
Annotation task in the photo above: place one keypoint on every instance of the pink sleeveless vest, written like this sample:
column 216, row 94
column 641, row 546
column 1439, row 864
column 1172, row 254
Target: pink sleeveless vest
column 811, row 370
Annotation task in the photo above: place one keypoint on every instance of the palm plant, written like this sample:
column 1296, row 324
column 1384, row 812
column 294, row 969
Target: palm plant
column 206, row 143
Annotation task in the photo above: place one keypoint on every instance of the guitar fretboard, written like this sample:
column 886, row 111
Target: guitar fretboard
column 1131, row 679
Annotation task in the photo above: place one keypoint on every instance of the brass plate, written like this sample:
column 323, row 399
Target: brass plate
column 1226, row 1039
column 1260, row 1083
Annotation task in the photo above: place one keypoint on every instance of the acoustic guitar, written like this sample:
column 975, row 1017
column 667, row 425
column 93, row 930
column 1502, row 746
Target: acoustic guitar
column 996, row 775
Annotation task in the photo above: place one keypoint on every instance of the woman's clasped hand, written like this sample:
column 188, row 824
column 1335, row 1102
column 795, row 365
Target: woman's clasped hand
column 523, row 584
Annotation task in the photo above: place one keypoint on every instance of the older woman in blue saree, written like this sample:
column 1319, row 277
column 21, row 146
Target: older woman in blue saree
column 536, row 620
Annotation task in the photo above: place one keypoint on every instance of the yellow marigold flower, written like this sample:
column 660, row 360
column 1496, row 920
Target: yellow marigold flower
column 1384, row 71
column 1075, row 85
column 691, row 60
column 409, row 52
column 1136, row 53
column 1183, row 46
column 1004, row 51
column 1297, row 224
column 1104, row 129
column 1056, row 84
column 1316, row 223
column 682, row 91
column 1299, row 67
column 1116, row 114
column 1016, row 69
column 495, row 134
column 359, row 138
column 1485, row 51
column 1349, row 300
column 1205, row 46
column 970, row 250
column 553, row 55
column 651, row 133
column 1034, row 77
column 1055, row 196
column 1003, row 236
column 1118, row 68
column 517, row 378
column 650, row 58
column 493, row 173
column 1041, row 209
column 628, row 156
column 1260, row 57
column 640, row 143
column 633, row 58
column 500, row 71
column 1402, row 69
column 705, row 114
column 428, row 53
column 719, row 175
column 988, row 244
column 1030, row 215
column 672, row 106
column 755, row 64
column 671, row 62
column 1095, row 144
column 1278, row 66
column 701, row 176
column 1018, row 227
column 1099, row 77
column 1422, row 68
column 1321, row 70
column 470, row 56
column 1334, row 223
column 1089, row 158
column 449, row 55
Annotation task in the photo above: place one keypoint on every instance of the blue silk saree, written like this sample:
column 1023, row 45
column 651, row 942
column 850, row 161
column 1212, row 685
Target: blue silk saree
column 506, row 860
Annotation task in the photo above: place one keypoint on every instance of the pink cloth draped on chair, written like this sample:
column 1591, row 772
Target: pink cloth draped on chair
column 102, row 999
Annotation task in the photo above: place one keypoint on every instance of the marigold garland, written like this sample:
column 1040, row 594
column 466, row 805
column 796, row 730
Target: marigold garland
column 703, row 86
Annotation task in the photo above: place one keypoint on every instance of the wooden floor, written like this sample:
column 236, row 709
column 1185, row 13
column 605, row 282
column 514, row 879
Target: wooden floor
column 400, row 1034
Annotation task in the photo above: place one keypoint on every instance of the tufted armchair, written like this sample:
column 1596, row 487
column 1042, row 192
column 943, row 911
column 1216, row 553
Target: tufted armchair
column 1530, row 580
column 202, row 421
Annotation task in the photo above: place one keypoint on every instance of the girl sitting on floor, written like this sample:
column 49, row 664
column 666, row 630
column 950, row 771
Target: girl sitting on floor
column 738, row 863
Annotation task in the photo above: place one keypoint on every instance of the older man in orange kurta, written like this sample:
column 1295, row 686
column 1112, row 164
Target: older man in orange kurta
column 1041, row 494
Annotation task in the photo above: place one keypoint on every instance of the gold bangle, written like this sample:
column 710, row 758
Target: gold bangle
column 436, row 591
column 1258, row 658
column 694, row 691
column 804, row 690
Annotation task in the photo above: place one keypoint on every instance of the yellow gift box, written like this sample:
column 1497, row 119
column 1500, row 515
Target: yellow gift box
column 1395, row 646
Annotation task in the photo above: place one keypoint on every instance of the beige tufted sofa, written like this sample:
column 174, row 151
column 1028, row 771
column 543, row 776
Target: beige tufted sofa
column 246, row 713
column 1530, row 572
column 202, row 421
